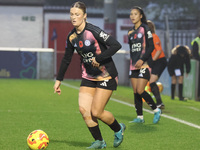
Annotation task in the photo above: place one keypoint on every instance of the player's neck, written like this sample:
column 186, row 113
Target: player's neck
column 137, row 25
column 80, row 28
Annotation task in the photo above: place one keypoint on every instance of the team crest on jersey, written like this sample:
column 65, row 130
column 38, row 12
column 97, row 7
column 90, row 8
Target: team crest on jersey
column 87, row 43
column 149, row 34
column 104, row 35
column 139, row 35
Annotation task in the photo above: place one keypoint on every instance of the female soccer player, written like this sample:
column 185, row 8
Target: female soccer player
column 99, row 74
column 180, row 56
column 141, row 46
column 157, row 62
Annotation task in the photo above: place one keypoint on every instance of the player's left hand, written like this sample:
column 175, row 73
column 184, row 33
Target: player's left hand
column 95, row 63
column 139, row 64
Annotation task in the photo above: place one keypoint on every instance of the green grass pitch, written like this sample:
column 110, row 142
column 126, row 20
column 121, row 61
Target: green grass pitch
column 27, row 105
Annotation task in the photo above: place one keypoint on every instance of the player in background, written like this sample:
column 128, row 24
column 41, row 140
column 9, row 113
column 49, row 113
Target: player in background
column 157, row 63
column 196, row 47
column 180, row 57
column 141, row 47
column 99, row 74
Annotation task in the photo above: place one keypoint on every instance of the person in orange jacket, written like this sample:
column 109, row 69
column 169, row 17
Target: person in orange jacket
column 157, row 63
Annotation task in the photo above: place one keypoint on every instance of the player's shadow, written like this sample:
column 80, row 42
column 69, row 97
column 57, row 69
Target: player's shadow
column 72, row 143
column 142, row 127
column 124, row 117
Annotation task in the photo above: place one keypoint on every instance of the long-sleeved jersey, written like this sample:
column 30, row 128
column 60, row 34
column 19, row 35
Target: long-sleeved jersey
column 141, row 45
column 91, row 42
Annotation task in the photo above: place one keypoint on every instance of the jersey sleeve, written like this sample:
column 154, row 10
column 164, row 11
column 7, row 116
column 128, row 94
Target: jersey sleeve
column 110, row 42
column 69, row 50
column 157, row 43
column 187, row 64
column 149, row 44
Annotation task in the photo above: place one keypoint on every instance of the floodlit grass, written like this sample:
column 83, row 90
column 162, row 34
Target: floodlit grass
column 27, row 105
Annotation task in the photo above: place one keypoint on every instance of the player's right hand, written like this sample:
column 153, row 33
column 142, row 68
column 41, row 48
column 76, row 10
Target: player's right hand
column 57, row 87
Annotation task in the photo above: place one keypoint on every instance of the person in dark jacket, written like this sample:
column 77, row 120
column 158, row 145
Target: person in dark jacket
column 180, row 57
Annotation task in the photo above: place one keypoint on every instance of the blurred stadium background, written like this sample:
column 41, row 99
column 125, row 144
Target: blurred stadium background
column 33, row 35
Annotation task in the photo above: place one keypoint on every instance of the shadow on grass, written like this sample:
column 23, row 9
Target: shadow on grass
column 72, row 143
column 124, row 117
column 142, row 128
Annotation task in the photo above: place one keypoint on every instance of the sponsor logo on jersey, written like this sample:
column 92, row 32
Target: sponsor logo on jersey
column 136, row 47
column 149, row 34
column 87, row 43
column 104, row 35
column 87, row 57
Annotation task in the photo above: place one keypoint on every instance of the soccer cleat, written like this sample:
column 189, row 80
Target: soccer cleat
column 157, row 116
column 98, row 145
column 183, row 99
column 137, row 120
column 161, row 106
column 119, row 135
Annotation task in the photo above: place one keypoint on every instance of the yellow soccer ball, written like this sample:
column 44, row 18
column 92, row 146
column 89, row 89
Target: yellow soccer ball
column 37, row 139
column 160, row 86
column 148, row 88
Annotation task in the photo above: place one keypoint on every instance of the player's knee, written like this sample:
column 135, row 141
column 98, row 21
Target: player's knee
column 96, row 113
column 86, row 114
column 173, row 80
column 180, row 79
column 140, row 91
column 85, row 101
column 82, row 110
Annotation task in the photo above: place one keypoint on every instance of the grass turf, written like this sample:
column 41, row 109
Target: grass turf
column 27, row 105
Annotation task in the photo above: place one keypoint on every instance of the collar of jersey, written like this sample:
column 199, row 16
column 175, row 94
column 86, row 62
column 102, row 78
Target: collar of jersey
column 81, row 31
column 137, row 28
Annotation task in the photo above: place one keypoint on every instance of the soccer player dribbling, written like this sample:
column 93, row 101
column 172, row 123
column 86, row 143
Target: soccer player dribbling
column 99, row 74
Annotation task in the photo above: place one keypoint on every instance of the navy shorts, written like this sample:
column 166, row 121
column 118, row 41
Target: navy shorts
column 140, row 73
column 110, row 84
column 159, row 66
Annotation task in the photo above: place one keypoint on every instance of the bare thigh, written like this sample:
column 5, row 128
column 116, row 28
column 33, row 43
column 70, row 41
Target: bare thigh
column 153, row 78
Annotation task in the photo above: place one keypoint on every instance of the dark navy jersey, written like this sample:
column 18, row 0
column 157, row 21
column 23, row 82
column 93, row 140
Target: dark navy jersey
column 91, row 42
column 141, row 45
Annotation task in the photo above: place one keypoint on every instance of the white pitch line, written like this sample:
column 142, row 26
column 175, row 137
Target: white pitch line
column 151, row 112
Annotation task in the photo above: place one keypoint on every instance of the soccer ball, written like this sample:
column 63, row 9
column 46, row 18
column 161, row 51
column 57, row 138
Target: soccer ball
column 160, row 86
column 37, row 139
column 148, row 88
